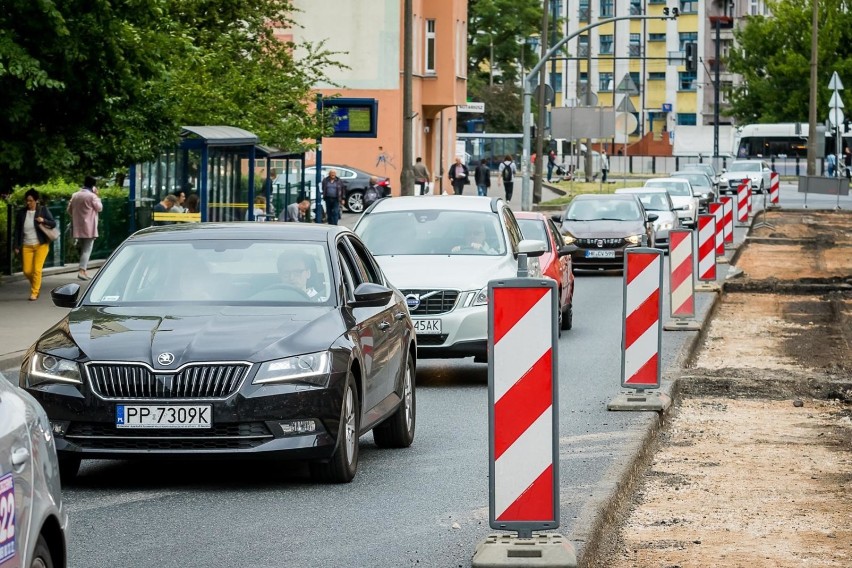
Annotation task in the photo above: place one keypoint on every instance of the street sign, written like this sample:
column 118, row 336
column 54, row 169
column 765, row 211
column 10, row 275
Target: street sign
column 626, row 105
column 627, row 86
column 549, row 95
column 836, row 101
column 471, row 107
column 835, row 83
column 667, row 107
column 836, row 117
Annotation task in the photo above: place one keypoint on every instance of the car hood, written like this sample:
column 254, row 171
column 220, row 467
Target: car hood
column 457, row 272
column 741, row 175
column 602, row 229
column 191, row 333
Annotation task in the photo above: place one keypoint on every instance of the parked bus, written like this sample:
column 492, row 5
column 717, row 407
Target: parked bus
column 785, row 140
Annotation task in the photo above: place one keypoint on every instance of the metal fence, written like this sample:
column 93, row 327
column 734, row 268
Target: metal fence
column 660, row 165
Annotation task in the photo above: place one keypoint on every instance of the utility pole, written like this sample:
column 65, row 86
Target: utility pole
column 716, row 82
column 407, row 177
column 542, row 104
column 812, row 111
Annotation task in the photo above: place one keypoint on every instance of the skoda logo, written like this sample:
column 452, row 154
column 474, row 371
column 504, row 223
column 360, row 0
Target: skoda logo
column 165, row 359
column 600, row 243
column 412, row 301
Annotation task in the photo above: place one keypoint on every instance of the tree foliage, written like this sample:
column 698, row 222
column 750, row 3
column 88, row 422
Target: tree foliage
column 773, row 56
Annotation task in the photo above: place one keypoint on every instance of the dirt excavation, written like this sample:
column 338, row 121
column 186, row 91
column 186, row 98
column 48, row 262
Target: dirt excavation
column 753, row 464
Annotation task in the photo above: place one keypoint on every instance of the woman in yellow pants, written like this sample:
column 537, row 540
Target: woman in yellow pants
column 30, row 241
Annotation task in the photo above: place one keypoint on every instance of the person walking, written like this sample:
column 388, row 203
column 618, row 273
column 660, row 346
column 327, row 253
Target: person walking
column 31, row 241
column 507, row 172
column 421, row 175
column 831, row 164
column 482, row 177
column 84, row 207
column 847, row 162
column 459, row 176
column 333, row 192
column 604, row 166
column 551, row 163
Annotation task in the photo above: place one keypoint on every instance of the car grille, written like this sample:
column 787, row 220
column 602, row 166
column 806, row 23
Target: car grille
column 600, row 243
column 438, row 301
column 102, row 436
column 120, row 381
column 423, row 340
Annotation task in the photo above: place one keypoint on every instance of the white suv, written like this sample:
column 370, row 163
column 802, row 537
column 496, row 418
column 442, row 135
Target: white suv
column 440, row 252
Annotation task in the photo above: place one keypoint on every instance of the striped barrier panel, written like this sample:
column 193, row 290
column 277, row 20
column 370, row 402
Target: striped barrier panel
column 743, row 195
column 643, row 308
column 523, row 405
column 717, row 211
column 681, row 274
column 749, row 193
column 728, row 219
column 774, row 188
column 707, row 248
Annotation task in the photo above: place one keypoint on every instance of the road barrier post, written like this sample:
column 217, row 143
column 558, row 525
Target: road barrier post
column 775, row 189
column 743, row 192
column 642, row 332
column 763, row 222
column 750, row 188
column 717, row 210
column 681, row 282
column 728, row 220
column 707, row 254
column 523, row 426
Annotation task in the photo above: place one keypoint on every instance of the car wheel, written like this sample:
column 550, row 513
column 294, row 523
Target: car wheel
column 68, row 468
column 398, row 430
column 343, row 464
column 566, row 321
column 41, row 555
column 355, row 201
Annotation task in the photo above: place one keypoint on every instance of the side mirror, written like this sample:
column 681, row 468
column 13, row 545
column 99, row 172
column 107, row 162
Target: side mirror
column 531, row 248
column 653, row 217
column 371, row 295
column 557, row 218
column 65, row 296
column 565, row 250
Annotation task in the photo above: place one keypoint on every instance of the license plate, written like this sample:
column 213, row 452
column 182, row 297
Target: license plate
column 427, row 326
column 165, row 416
column 600, row 254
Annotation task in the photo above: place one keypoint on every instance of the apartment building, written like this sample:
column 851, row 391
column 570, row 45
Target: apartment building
column 368, row 37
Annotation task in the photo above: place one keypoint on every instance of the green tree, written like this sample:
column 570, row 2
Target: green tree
column 773, row 56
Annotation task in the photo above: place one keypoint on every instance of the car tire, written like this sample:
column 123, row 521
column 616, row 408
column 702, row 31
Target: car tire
column 343, row 464
column 398, row 430
column 41, row 555
column 567, row 320
column 355, row 201
column 69, row 466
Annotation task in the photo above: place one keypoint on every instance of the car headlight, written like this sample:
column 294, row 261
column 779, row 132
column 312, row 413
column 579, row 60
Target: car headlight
column 481, row 298
column 634, row 239
column 51, row 369
column 705, row 196
column 569, row 239
column 664, row 226
column 312, row 368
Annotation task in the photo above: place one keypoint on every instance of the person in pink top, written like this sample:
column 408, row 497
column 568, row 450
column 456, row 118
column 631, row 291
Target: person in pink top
column 84, row 208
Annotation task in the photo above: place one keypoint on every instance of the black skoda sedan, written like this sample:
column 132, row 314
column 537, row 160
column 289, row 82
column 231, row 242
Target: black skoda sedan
column 252, row 339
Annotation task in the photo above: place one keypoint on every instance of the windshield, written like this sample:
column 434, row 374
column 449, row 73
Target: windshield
column 534, row 229
column 695, row 179
column 603, row 210
column 654, row 201
column 744, row 167
column 673, row 187
column 429, row 232
column 216, row 271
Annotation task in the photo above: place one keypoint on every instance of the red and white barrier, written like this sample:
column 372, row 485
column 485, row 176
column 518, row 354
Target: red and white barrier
column 717, row 211
column 727, row 219
column 682, row 278
column 707, row 248
column 643, row 307
column 523, row 421
column 774, row 188
column 743, row 197
column 750, row 193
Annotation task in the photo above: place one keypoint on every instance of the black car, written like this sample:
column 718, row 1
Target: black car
column 603, row 226
column 241, row 339
column 356, row 182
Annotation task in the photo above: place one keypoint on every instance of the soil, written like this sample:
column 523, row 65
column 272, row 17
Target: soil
column 753, row 464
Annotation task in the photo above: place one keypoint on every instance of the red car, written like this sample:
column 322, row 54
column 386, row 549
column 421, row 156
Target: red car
column 556, row 260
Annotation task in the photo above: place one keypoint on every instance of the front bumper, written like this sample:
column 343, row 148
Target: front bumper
column 581, row 262
column 464, row 333
column 687, row 218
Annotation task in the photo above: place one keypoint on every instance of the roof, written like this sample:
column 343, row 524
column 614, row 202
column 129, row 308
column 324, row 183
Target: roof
column 601, row 197
column 221, row 135
column 645, row 189
column 264, row 151
column 433, row 202
column 240, row 230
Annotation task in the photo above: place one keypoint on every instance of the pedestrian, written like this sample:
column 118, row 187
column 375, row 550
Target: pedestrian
column 506, row 173
column 84, row 207
column 421, row 175
column 297, row 212
column 604, row 166
column 333, row 192
column 192, row 203
column 458, row 175
column 847, row 162
column 31, row 240
column 831, row 164
column 259, row 210
column 373, row 192
column 178, row 207
column 164, row 206
column 482, row 177
column 551, row 163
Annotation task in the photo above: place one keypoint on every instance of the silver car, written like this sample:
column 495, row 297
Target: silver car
column 32, row 520
column 657, row 200
column 758, row 171
column 680, row 190
column 441, row 251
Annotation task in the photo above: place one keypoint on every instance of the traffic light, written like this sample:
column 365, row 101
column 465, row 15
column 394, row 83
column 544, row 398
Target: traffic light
column 846, row 125
column 692, row 57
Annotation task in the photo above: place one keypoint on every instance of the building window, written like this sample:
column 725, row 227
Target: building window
column 688, row 6
column 606, row 45
column 635, row 7
column 686, row 119
column 637, row 79
column 657, row 76
column 756, row 8
column 583, row 46
column 556, row 82
column 635, row 48
column 430, row 46
column 584, row 15
column 606, row 9
column 656, row 1
column 584, row 77
column 686, row 81
column 687, row 37
column 656, row 37
column 606, row 82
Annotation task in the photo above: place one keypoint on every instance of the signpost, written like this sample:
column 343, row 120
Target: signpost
column 836, row 117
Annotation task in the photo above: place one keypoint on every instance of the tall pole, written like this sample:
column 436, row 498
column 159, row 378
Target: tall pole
column 407, row 177
column 542, row 103
column 491, row 59
column 812, row 111
column 716, row 83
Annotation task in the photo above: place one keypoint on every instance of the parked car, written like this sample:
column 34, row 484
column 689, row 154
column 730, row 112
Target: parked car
column 555, row 262
column 441, row 251
column 357, row 181
column 603, row 226
column 680, row 190
column 758, row 171
column 33, row 520
column 702, row 187
column 705, row 167
column 656, row 200
column 221, row 340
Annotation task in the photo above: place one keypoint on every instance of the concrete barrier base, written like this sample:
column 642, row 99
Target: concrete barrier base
column 707, row 287
column 722, row 260
column 682, row 325
column 509, row 551
column 640, row 400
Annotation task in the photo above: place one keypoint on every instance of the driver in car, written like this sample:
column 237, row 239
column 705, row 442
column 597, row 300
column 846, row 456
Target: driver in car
column 474, row 240
column 295, row 271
